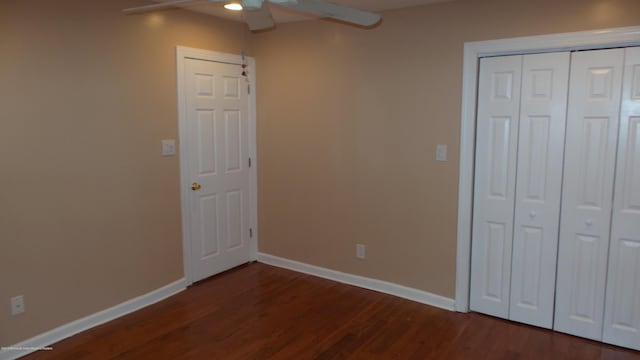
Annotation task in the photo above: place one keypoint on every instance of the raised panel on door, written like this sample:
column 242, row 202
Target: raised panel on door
column 496, row 147
column 589, row 164
column 217, row 132
column 538, row 187
column 622, row 309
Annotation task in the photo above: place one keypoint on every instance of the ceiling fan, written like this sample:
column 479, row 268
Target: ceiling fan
column 258, row 16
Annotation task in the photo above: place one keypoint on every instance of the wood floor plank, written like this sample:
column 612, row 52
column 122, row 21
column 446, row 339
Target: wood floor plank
column 258, row 311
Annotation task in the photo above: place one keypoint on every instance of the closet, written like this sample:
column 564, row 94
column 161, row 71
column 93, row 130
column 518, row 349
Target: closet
column 556, row 218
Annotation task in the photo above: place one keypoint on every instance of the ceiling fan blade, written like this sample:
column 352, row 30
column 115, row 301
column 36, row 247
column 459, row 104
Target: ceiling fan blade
column 159, row 6
column 334, row 11
column 258, row 18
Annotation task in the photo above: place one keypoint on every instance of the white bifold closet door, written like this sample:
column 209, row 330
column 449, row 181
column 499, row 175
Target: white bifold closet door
column 538, row 188
column 496, row 147
column 520, row 141
column 622, row 309
column 546, row 197
column 590, row 158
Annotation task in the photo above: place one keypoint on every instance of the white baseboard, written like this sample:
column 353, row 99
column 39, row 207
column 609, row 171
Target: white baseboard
column 60, row 333
column 360, row 281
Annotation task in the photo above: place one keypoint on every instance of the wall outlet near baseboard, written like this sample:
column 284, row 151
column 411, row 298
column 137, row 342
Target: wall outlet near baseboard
column 360, row 251
column 17, row 305
column 441, row 152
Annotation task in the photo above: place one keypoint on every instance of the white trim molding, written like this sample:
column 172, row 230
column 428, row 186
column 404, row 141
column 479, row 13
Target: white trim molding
column 253, row 153
column 360, row 281
column 183, row 53
column 473, row 51
column 44, row 340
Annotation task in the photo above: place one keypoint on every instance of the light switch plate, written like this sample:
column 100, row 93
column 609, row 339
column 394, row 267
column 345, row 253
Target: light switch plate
column 441, row 152
column 168, row 147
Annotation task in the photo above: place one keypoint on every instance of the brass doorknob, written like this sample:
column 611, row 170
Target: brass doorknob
column 195, row 186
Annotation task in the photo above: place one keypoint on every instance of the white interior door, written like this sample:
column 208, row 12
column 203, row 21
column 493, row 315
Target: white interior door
column 590, row 153
column 496, row 147
column 622, row 309
column 217, row 135
column 538, row 187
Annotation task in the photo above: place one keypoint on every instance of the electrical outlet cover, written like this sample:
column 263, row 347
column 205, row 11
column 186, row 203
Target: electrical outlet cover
column 441, row 152
column 17, row 305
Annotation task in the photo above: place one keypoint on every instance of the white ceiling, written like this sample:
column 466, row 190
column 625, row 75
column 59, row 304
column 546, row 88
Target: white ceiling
column 281, row 14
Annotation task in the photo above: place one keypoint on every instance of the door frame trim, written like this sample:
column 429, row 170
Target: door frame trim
column 183, row 53
column 473, row 51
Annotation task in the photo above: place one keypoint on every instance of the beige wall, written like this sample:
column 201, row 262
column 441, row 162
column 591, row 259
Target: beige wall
column 89, row 210
column 348, row 121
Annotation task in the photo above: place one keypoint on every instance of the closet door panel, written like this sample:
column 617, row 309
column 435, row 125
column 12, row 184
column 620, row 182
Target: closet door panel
column 538, row 187
column 590, row 153
column 622, row 309
column 496, row 147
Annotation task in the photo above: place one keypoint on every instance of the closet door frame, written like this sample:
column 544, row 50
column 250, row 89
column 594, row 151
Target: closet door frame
column 473, row 51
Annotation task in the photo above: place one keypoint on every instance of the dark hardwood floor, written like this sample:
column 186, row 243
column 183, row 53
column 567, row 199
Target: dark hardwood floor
column 261, row 312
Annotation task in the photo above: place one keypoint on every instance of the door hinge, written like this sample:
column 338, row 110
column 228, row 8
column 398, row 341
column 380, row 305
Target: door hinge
column 250, row 232
column 249, row 162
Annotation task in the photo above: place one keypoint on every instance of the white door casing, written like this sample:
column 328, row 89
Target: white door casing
column 217, row 138
column 622, row 305
column 590, row 153
column 497, row 133
column 538, row 187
